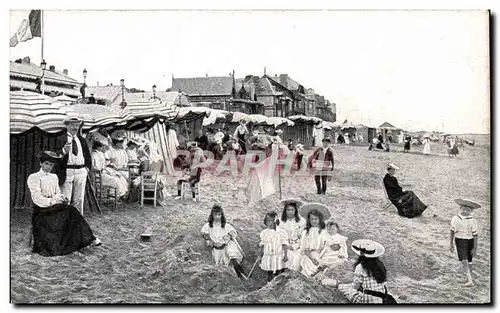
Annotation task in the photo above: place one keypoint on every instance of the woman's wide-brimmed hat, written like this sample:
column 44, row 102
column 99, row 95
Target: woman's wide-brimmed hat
column 298, row 202
column 467, row 203
column 367, row 248
column 49, row 156
column 326, row 139
column 135, row 141
column 118, row 136
column 321, row 208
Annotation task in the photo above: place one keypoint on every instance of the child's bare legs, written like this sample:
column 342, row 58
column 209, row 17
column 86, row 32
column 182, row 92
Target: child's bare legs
column 468, row 272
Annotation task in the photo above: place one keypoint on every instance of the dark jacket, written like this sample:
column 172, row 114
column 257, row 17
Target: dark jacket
column 394, row 191
column 320, row 155
column 61, row 167
column 202, row 142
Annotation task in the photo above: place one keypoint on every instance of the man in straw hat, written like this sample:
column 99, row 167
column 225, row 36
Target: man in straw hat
column 370, row 274
column 407, row 202
column 464, row 234
column 76, row 162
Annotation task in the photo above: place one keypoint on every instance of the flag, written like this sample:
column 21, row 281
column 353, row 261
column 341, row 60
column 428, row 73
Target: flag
column 29, row 28
column 261, row 184
column 345, row 122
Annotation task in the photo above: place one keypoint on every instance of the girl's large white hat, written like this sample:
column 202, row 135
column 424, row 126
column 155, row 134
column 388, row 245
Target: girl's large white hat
column 367, row 248
column 298, row 202
column 467, row 203
column 306, row 208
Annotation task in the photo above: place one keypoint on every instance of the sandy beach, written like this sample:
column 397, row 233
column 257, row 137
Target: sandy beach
column 175, row 267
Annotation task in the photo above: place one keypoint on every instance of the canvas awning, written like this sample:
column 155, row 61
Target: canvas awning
column 95, row 115
column 30, row 109
column 305, row 119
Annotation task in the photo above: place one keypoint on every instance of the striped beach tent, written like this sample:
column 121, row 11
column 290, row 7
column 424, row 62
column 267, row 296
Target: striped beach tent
column 95, row 115
column 148, row 108
column 30, row 109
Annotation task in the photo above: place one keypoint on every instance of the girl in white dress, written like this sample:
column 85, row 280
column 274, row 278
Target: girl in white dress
column 220, row 236
column 427, row 146
column 273, row 247
column 335, row 251
column 118, row 155
column 294, row 225
column 314, row 237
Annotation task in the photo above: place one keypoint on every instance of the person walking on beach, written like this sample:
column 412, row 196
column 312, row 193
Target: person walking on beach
column 322, row 163
column 464, row 235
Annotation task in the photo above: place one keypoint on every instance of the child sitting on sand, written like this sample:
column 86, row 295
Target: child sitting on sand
column 220, row 236
column 335, row 251
column 273, row 247
column 464, row 230
column 313, row 238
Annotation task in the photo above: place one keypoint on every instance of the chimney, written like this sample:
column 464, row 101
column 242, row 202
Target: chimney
column 26, row 60
column 52, row 68
column 65, row 72
column 98, row 84
column 206, row 75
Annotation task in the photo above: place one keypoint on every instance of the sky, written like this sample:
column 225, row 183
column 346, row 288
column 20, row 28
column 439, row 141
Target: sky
column 418, row 70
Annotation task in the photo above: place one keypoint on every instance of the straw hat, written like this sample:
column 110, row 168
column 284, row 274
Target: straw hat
column 305, row 209
column 298, row 202
column 367, row 248
column 467, row 203
column 391, row 166
column 73, row 119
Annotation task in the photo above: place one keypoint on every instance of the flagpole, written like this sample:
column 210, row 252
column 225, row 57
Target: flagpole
column 42, row 88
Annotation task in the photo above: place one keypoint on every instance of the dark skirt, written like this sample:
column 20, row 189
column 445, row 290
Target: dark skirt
column 407, row 146
column 454, row 150
column 59, row 230
column 410, row 205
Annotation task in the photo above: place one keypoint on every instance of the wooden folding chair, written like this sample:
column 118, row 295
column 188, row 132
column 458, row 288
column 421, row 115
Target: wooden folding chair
column 387, row 205
column 103, row 193
column 186, row 189
column 149, row 184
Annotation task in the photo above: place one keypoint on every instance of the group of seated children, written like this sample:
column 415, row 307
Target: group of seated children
column 299, row 240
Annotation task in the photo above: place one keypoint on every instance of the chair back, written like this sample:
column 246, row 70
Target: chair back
column 96, row 180
column 149, row 180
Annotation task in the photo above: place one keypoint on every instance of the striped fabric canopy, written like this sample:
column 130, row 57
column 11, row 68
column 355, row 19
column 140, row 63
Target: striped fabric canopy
column 149, row 108
column 95, row 115
column 30, row 109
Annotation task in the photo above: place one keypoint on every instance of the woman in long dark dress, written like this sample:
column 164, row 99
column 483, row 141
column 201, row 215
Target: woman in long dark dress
column 407, row 202
column 58, row 228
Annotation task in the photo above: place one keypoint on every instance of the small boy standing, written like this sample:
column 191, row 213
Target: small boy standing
column 464, row 233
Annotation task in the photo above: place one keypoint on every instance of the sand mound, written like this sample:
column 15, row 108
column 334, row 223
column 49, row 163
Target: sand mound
column 293, row 287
